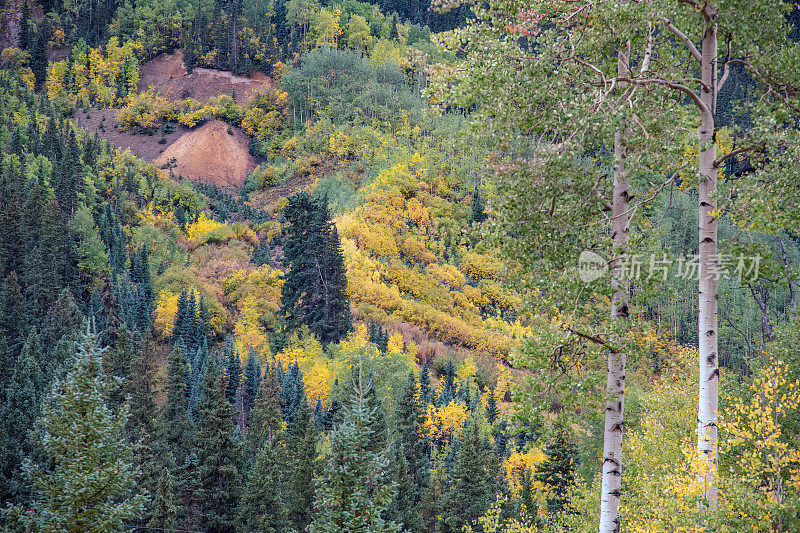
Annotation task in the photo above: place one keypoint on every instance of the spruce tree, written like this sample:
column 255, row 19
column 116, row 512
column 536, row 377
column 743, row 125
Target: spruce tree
column 24, row 27
column 557, row 472
column 173, row 427
column 425, row 384
column 22, row 402
column 261, row 506
column 39, row 53
column 218, row 455
column 470, row 492
column 353, row 494
column 86, row 481
column 492, row 412
column 252, row 382
column 301, row 452
column 165, row 507
column 315, row 287
column 411, row 466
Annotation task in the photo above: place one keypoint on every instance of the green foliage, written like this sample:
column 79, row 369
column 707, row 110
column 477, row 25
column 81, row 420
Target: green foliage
column 354, row 492
column 85, row 480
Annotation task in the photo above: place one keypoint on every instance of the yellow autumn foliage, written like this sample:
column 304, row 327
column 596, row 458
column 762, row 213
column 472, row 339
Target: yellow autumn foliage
column 165, row 311
column 443, row 423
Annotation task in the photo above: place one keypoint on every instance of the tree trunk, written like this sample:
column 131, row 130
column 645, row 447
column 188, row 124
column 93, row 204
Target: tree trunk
column 611, row 490
column 707, row 285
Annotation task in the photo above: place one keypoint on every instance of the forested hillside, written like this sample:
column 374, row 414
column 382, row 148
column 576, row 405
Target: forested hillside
column 274, row 265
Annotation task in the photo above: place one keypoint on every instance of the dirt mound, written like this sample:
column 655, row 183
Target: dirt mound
column 148, row 147
column 168, row 76
column 210, row 154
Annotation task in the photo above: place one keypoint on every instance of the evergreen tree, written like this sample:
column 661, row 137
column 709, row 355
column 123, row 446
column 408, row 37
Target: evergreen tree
column 412, row 462
column 470, row 492
column 165, row 508
column 173, row 426
column 478, row 212
column 315, row 287
column 557, row 472
column 261, row 507
column 492, row 412
column 12, row 309
column 353, row 494
column 140, row 388
column 252, row 382
column 293, row 392
column 218, row 456
column 233, row 372
column 22, row 402
column 301, row 443
column 24, row 27
column 425, row 391
column 117, row 365
column 39, row 53
column 86, row 481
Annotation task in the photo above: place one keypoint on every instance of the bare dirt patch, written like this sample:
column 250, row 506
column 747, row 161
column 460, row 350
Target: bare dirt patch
column 211, row 155
column 103, row 123
column 167, row 75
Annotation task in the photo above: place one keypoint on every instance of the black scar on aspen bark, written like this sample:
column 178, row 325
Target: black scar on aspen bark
column 619, row 406
column 714, row 374
column 708, row 240
column 611, row 460
column 616, row 493
column 711, row 359
column 623, row 311
column 617, row 428
column 613, row 235
column 703, row 203
column 710, row 333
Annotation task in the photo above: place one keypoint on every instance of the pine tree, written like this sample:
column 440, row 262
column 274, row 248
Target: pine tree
column 492, row 412
column 252, row 382
column 314, row 292
column 301, row 442
column 173, row 426
column 411, row 463
column 140, row 389
column 478, row 212
column 21, row 406
column 117, row 365
column 233, row 372
column 13, row 312
column 91, row 486
column 261, row 507
column 557, row 472
column 24, row 27
column 165, row 507
column 470, row 491
column 353, row 494
column 39, row 53
column 425, row 392
column 218, row 455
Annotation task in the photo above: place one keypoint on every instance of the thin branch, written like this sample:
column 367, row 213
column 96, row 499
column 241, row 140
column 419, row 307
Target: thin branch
column 733, row 153
column 593, row 338
column 683, row 38
column 672, row 85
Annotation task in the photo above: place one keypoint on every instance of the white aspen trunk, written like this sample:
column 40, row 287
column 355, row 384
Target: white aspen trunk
column 707, row 286
column 611, row 489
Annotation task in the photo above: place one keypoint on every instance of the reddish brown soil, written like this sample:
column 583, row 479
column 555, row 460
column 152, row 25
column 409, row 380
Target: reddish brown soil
column 167, row 75
column 210, row 154
column 144, row 146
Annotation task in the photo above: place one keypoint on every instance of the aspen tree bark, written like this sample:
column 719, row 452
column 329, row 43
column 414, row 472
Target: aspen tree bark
column 707, row 285
column 611, row 489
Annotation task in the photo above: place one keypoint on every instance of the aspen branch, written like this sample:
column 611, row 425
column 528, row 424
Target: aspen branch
column 682, row 36
column 594, row 338
column 672, row 85
column 733, row 153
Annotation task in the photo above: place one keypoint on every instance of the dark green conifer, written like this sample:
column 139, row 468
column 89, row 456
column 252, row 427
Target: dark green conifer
column 492, row 412
column 557, row 472
column 354, row 493
column 261, row 507
column 218, row 452
column 471, row 481
column 301, row 443
column 86, row 480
